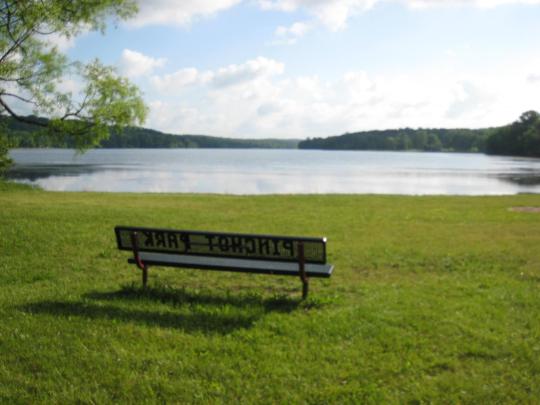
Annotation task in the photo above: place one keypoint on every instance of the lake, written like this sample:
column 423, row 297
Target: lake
column 265, row 171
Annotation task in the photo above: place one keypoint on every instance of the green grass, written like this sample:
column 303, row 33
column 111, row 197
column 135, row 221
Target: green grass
column 433, row 299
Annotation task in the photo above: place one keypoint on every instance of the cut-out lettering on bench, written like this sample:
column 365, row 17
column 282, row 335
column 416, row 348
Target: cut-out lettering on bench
column 221, row 244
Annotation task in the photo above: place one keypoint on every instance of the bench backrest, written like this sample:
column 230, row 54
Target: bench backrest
column 243, row 246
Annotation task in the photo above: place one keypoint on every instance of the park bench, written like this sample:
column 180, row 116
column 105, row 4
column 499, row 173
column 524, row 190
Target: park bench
column 263, row 254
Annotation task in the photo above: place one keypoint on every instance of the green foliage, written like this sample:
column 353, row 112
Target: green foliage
column 31, row 70
column 521, row 138
column 5, row 161
column 433, row 140
column 24, row 135
column 433, row 300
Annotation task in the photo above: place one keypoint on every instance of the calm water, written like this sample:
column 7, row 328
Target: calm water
column 243, row 171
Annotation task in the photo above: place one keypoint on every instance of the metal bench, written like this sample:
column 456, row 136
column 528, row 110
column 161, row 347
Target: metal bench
column 263, row 254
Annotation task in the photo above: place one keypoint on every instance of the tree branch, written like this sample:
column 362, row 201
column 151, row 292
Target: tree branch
column 26, row 100
column 75, row 113
column 20, row 118
column 17, row 43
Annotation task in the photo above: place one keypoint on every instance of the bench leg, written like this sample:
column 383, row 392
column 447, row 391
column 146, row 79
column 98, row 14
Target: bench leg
column 302, row 270
column 305, row 289
column 144, row 276
column 140, row 264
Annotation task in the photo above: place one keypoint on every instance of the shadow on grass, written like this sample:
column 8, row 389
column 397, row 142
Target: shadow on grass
column 196, row 321
column 205, row 312
column 180, row 296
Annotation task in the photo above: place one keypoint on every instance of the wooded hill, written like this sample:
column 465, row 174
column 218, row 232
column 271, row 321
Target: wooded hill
column 430, row 140
column 22, row 135
column 520, row 138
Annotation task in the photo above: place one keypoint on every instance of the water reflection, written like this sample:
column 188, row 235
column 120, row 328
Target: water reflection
column 522, row 179
column 36, row 172
column 275, row 172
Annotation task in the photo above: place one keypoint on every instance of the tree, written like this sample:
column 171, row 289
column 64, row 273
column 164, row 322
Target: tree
column 32, row 70
column 433, row 143
column 521, row 138
column 5, row 161
column 531, row 139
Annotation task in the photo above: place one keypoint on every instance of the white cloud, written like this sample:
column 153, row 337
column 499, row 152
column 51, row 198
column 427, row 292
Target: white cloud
column 252, row 69
column 290, row 35
column 534, row 78
column 177, row 80
column 334, row 14
column 134, row 64
column 71, row 85
column 298, row 29
column 474, row 3
column 232, row 75
column 469, row 97
column 178, row 12
column 61, row 42
column 253, row 99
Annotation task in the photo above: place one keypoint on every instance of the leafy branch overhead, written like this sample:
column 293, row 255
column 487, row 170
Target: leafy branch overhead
column 34, row 75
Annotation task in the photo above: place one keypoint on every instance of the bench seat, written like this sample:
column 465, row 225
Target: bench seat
column 233, row 264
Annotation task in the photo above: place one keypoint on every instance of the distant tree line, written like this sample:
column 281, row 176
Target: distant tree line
column 521, row 138
column 23, row 135
column 429, row 140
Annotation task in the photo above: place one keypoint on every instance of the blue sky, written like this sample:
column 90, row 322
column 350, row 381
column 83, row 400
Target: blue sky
column 306, row 68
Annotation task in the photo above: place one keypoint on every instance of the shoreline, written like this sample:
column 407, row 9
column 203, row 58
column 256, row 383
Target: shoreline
column 12, row 184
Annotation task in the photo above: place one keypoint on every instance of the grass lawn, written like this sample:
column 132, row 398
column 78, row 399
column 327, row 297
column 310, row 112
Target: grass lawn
column 433, row 299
